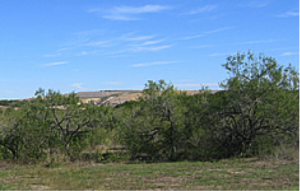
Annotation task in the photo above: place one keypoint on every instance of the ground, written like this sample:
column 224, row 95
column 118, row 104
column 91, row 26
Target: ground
column 250, row 174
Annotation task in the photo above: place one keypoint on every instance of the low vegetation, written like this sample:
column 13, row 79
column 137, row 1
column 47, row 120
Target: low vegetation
column 255, row 118
column 243, row 174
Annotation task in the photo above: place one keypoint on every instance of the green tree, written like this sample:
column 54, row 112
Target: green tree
column 155, row 126
column 25, row 133
column 75, row 123
column 261, row 99
column 52, row 124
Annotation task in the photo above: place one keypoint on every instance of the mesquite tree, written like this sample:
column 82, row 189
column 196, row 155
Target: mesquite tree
column 261, row 99
column 154, row 126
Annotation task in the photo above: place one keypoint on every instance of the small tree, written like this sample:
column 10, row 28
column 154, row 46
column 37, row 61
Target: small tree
column 25, row 133
column 155, row 126
column 76, row 124
column 263, row 100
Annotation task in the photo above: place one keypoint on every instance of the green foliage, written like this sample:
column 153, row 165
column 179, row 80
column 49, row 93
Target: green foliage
column 154, row 128
column 264, row 101
column 52, row 124
column 256, row 113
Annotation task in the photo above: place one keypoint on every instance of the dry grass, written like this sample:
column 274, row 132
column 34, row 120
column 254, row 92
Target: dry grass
column 250, row 174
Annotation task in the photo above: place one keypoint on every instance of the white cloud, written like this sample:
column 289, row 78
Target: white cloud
column 97, row 43
column 120, row 17
column 113, row 83
column 124, row 13
column 154, row 63
column 191, row 37
column 139, row 38
column 259, row 41
column 77, row 85
column 155, row 48
column 289, row 14
column 207, row 32
column 56, row 63
column 289, row 53
column 139, row 10
column 152, row 42
column 218, row 30
column 256, row 4
column 205, row 9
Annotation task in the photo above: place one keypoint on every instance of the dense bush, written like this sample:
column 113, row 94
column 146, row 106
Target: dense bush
column 53, row 124
column 155, row 127
column 258, row 109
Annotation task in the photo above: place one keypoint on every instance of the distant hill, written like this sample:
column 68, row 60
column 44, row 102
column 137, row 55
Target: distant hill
column 115, row 97
column 107, row 97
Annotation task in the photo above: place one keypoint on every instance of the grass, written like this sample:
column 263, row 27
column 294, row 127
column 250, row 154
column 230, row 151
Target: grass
column 250, row 174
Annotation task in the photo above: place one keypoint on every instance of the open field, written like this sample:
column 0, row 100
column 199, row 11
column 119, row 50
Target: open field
column 249, row 174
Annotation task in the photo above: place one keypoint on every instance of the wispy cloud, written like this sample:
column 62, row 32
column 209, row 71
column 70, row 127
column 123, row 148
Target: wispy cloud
column 78, row 85
column 289, row 53
column 139, row 38
column 191, row 37
column 120, row 17
column 218, row 30
column 139, row 10
column 125, row 13
column 152, row 42
column 153, row 48
column 87, row 43
column 205, row 9
column 96, row 43
column 255, row 4
column 113, row 83
column 56, row 63
column 286, row 48
column 289, row 14
column 142, row 43
column 207, row 32
column 258, row 41
column 154, row 63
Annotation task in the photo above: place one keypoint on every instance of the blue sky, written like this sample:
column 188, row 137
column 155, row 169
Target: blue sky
column 96, row 45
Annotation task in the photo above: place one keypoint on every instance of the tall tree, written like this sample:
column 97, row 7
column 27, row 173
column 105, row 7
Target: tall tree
column 263, row 100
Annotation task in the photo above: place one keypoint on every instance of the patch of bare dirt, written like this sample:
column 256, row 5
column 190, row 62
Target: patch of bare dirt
column 39, row 187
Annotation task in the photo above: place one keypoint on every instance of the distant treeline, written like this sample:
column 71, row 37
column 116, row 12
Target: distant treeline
column 14, row 103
